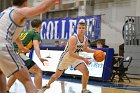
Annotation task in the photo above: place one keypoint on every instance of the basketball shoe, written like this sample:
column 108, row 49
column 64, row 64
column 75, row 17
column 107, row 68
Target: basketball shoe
column 45, row 87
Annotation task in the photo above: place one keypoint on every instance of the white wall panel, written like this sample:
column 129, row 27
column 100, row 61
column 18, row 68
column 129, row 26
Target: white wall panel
column 113, row 14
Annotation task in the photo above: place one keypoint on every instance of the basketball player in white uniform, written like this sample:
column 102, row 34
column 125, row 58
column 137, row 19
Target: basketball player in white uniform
column 12, row 21
column 70, row 56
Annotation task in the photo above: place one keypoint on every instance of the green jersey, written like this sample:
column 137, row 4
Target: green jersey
column 27, row 38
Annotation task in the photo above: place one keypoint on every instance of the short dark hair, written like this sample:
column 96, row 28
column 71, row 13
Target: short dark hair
column 99, row 42
column 18, row 2
column 36, row 22
column 82, row 23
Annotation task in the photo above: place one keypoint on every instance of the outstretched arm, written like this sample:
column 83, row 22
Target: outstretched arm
column 36, row 10
column 37, row 50
column 87, row 49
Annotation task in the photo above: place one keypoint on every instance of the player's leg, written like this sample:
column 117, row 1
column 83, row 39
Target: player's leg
column 11, row 81
column 13, row 65
column 85, row 77
column 38, row 76
column 83, row 69
column 28, row 63
column 34, row 69
column 2, row 82
column 24, row 77
column 55, row 76
column 63, row 64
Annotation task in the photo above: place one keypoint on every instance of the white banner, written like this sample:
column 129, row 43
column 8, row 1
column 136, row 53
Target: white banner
column 95, row 68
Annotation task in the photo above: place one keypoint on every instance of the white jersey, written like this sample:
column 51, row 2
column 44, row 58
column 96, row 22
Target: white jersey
column 79, row 45
column 66, row 59
column 9, row 31
column 8, row 27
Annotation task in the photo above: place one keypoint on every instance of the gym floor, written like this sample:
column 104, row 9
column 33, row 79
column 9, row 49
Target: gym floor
column 71, row 85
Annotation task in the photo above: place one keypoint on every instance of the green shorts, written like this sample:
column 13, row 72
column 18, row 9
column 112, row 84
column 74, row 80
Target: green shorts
column 28, row 62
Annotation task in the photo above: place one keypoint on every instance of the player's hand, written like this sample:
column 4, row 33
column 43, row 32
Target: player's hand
column 42, row 60
column 23, row 50
column 95, row 51
column 87, row 61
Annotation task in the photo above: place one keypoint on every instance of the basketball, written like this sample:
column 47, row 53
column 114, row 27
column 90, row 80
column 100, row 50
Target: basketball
column 99, row 56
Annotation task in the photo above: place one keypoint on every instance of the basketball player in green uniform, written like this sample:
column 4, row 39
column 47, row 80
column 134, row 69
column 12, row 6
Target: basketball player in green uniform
column 31, row 39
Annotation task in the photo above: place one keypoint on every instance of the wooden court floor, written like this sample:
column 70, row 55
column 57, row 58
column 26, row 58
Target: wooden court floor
column 74, row 86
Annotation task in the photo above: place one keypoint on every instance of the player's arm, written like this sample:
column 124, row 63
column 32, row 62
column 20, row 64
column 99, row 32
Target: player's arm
column 72, row 45
column 37, row 50
column 19, row 43
column 21, row 48
column 36, row 10
column 87, row 49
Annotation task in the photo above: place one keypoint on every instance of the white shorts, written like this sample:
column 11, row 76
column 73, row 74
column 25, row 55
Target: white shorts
column 66, row 60
column 10, row 62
